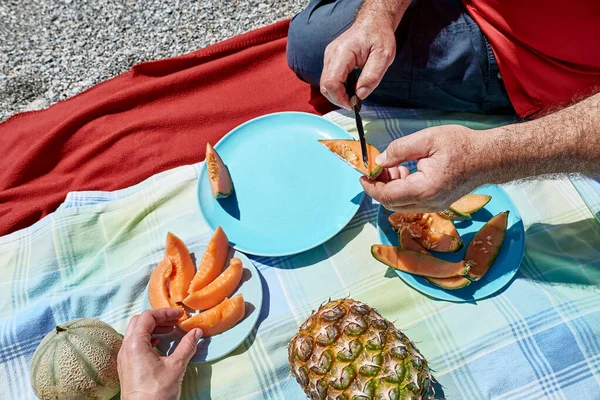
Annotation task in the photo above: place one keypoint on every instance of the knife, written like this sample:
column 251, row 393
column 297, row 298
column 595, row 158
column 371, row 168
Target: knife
column 355, row 103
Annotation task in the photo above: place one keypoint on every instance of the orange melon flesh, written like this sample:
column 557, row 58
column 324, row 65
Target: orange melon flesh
column 429, row 230
column 183, row 267
column 219, row 318
column 407, row 243
column 218, row 290
column 440, row 242
column 431, row 221
column 158, row 294
column 212, row 262
column 486, row 245
column 218, row 174
column 350, row 152
column 158, row 291
column 417, row 263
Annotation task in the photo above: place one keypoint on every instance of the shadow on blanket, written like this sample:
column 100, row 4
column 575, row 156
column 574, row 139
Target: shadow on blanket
column 564, row 254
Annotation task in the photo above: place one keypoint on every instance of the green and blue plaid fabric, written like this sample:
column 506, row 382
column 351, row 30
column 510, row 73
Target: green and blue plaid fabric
column 539, row 338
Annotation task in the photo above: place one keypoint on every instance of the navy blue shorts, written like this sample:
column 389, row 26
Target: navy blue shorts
column 443, row 60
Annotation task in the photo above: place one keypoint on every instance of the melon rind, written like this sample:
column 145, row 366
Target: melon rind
column 416, row 263
column 77, row 359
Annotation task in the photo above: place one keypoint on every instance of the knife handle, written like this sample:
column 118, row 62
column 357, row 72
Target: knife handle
column 351, row 82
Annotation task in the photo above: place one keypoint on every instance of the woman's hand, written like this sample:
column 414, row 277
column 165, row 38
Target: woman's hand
column 144, row 374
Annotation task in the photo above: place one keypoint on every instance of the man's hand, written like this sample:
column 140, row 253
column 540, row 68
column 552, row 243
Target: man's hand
column 369, row 44
column 363, row 45
column 143, row 373
column 446, row 170
column 453, row 160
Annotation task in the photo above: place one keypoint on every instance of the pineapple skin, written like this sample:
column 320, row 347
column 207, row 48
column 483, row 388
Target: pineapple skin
column 347, row 351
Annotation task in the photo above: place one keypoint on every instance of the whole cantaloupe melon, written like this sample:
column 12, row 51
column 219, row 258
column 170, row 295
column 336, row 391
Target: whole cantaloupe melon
column 77, row 360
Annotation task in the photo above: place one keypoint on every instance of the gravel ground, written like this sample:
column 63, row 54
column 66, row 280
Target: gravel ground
column 53, row 49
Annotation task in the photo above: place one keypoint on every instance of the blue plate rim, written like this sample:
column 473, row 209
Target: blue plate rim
column 273, row 254
column 455, row 299
column 246, row 262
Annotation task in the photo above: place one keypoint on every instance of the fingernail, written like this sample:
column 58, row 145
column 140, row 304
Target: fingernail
column 198, row 335
column 380, row 159
column 362, row 93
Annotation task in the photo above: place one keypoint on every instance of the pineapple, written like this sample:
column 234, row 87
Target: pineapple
column 347, row 351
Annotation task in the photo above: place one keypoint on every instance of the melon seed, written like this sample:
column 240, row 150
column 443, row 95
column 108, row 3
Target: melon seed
column 213, row 168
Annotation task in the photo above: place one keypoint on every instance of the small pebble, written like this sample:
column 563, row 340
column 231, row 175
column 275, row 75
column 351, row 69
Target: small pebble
column 56, row 49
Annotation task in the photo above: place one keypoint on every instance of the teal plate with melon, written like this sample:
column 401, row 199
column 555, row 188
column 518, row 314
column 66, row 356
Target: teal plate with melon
column 290, row 193
column 218, row 346
column 502, row 270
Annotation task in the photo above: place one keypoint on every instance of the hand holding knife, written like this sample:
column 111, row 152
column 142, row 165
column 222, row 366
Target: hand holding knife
column 355, row 103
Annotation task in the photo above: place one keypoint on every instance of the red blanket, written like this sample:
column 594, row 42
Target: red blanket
column 156, row 116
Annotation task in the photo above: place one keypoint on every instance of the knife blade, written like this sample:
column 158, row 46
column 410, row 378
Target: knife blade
column 356, row 105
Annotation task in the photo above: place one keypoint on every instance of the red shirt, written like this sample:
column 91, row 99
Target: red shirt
column 548, row 51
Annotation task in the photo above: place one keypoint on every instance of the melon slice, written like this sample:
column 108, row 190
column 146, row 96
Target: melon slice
column 439, row 242
column 407, row 243
column 429, row 230
column 417, row 263
column 158, row 292
column 486, row 245
column 218, row 290
column 462, row 208
column 158, row 288
column 212, row 262
column 219, row 318
column 218, row 174
column 183, row 270
column 456, row 282
column 350, row 152
column 430, row 221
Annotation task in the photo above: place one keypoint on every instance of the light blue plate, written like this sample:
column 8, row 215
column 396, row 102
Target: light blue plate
column 290, row 192
column 215, row 347
column 504, row 268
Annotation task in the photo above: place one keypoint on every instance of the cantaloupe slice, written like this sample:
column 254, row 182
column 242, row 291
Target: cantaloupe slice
column 158, row 288
column 350, row 152
column 212, row 262
column 218, row 174
column 485, row 246
column 158, row 292
column 407, row 243
column 440, row 242
column 218, row 290
column 431, row 221
column 219, row 318
column 462, row 208
column 417, row 263
column 183, row 267
column 429, row 230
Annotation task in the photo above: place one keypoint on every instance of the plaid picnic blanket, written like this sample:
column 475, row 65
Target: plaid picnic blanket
column 539, row 338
